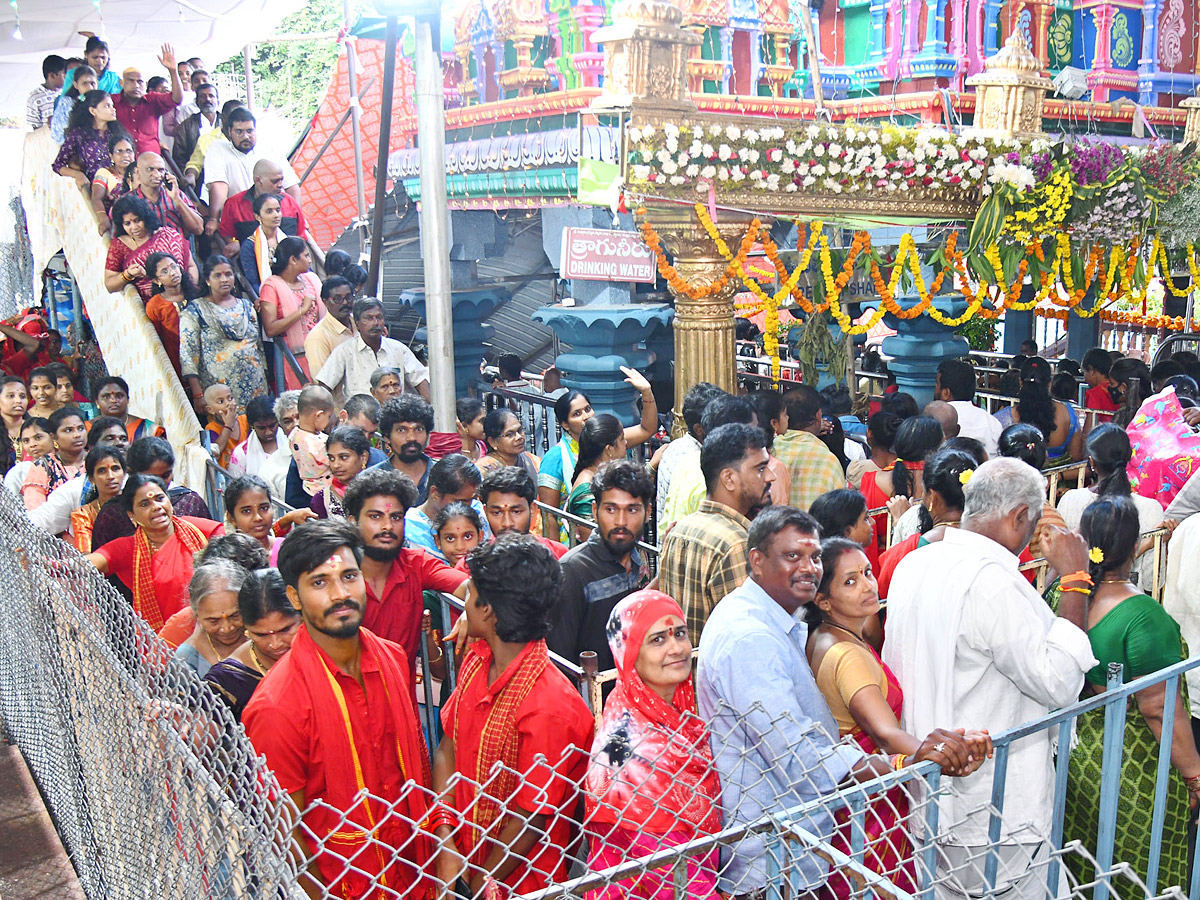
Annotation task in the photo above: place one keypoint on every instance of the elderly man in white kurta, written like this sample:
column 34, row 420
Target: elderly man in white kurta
column 973, row 643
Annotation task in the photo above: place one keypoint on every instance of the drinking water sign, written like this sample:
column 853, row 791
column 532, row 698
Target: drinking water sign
column 593, row 254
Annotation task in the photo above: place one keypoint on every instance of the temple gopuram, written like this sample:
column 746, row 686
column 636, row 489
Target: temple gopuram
column 687, row 130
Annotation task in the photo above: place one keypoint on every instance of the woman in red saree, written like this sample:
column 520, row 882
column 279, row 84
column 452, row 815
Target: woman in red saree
column 916, row 438
column 155, row 563
column 866, row 701
column 651, row 782
column 137, row 232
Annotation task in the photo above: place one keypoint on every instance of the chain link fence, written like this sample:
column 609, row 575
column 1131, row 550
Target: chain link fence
column 157, row 792
column 153, row 787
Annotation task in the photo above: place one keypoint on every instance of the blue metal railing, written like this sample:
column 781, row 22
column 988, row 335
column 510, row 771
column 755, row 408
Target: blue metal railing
column 782, row 829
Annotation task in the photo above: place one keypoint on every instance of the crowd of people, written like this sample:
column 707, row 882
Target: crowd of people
column 786, row 524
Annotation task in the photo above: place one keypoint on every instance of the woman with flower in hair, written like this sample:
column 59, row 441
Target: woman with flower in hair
column 651, row 783
column 1108, row 455
column 945, row 475
column 1127, row 626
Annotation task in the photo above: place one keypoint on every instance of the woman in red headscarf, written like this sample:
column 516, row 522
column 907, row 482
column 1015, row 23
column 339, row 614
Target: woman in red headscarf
column 651, row 783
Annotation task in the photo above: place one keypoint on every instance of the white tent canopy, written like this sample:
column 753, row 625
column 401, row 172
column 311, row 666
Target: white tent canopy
column 135, row 30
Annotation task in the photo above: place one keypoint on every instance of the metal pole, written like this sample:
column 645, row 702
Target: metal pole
column 247, row 53
column 356, row 130
column 435, row 240
column 381, row 158
column 814, row 61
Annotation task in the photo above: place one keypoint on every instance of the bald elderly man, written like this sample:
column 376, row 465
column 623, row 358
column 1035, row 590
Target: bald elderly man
column 140, row 112
column 163, row 193
column 237, row 218
column 946, row 414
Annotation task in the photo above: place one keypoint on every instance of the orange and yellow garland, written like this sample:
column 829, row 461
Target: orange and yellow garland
column 987, row 299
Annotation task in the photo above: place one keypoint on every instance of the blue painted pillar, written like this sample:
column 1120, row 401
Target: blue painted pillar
column 604, row 329
column 1018, row 327
column 921, row 343
column 468, row 310
column 603, row 338
column 1083, row 334
column 878, row 32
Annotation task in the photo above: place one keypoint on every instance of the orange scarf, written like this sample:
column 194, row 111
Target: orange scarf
column 498, row 740
column 145, row 600
column 371, row 834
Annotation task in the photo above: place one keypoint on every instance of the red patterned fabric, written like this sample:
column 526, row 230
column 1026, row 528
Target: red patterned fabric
column 329, row 196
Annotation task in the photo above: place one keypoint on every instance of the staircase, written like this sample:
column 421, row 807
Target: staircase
column 60, row 218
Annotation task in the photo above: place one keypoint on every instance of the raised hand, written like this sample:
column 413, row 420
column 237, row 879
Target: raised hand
column 635, row 379
column 167, row 58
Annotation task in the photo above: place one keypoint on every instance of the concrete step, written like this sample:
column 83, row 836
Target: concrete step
column 33, row 863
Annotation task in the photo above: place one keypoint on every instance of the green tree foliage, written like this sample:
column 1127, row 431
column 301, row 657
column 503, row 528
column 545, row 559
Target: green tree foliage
column 292, row 77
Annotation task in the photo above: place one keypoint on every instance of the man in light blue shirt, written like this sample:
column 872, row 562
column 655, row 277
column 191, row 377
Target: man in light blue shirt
column 773, row 737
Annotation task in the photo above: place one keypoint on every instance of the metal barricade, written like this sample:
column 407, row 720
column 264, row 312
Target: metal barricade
column 156, row 791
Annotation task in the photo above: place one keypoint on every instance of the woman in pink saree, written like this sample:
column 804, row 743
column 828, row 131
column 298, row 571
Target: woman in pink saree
column 651, row 783
column 290, row 302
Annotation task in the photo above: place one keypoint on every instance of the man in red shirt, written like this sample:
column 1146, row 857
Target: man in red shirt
column 394, row 575
column 1095, row 365
column 507, row 494
column 237, row 218
column 335, row 717
column 140, row 112
column 511, row 707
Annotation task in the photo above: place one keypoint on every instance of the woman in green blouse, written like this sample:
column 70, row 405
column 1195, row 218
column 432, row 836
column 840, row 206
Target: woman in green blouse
column 1126, row 626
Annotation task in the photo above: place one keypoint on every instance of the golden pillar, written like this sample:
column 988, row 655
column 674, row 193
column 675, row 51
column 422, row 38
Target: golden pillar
column 704, row 329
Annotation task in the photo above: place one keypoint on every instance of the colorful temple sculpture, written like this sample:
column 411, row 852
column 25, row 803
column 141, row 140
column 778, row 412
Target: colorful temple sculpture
column 545, row 97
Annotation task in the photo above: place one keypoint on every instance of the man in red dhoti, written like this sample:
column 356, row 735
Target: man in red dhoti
column 335, row 717
column 514, row 725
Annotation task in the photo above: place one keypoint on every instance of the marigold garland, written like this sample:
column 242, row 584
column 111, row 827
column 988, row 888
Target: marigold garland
column 986, row 298
column 677, row 282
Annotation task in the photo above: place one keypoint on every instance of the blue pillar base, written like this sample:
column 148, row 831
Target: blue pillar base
column 602, row 339
column 1018, row 327
column 468, row 310
column 920, row 344
column 1083, row 334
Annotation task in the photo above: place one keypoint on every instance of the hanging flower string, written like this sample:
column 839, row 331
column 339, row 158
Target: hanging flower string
column 986, row 298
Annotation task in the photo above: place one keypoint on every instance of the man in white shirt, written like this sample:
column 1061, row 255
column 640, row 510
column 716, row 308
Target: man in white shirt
column 229, row 165
column 973, row 644
column 956, row 385
column 351, row 363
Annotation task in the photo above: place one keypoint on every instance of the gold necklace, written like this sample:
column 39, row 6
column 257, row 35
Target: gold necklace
column 848, row 631
column 254, row 658
column 215, row 651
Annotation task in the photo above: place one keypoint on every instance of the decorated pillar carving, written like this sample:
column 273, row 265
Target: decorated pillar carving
column 704, row 329
column 1010, row 93
column 1191, row 125
column 1044, row 15
column 957, row 42
column 646, row 53
column 1102, row 61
